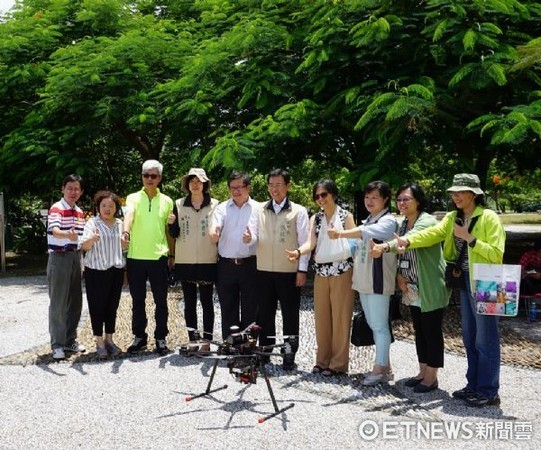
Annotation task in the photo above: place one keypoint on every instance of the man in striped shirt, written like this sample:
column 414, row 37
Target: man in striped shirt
column 65, row 224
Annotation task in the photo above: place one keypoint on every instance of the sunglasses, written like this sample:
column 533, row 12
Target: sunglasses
column 152, row 176
column 403, row 200
column 322, row 195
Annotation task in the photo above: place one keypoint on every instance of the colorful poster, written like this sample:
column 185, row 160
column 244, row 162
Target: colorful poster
column 496, row 289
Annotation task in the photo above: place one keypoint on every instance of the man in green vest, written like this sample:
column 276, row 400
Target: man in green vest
column 145, row 228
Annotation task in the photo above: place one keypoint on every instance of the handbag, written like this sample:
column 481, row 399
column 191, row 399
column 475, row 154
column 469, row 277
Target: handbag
column 361, row 333
column 332, row 250
column 453, row 273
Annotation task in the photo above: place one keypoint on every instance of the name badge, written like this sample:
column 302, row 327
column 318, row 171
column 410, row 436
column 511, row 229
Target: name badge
column 404, row 264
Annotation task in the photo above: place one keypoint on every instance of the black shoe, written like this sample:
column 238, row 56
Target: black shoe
column 289, row 362
column 161, row 347
column 480, row 401
column 463, row 393
column 412, row 382
column 423, row 388
column 138, row 345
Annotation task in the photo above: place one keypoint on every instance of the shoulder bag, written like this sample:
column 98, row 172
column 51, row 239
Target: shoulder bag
column 331, row 250
column 453, row 271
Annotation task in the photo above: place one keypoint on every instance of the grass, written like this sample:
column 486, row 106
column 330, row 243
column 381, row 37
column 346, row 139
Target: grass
column 521, row 219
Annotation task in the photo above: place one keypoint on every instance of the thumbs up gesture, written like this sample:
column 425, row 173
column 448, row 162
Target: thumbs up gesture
column 401, row 243
column 332, row 233
column 247, row 236
column 96, row 236
column 215, row 235
column 72, row 235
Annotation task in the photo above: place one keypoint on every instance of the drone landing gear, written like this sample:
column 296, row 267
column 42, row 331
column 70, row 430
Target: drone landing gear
column 208, row 391
column 273, row 399
column 262, row 369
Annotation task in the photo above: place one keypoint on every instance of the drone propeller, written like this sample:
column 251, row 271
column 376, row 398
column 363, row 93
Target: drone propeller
column 286, row 336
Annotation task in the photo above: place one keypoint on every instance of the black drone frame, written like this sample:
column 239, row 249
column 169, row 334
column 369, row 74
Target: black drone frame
column 244, row 367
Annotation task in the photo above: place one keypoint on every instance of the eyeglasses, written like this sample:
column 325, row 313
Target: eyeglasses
column 152, row 176
column 322, row 195
column 275, row 185
column 237, row 188
column 404, row 199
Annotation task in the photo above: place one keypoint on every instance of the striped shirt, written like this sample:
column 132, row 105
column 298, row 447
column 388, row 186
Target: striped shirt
column 107, row 251
column 407, row 262
column 63, row 216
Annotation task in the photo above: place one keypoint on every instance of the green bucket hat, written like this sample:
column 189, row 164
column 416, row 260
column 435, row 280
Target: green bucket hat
column 466, row 182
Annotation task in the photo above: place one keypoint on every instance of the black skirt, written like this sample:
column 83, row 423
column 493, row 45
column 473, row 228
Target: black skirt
column 195, row 272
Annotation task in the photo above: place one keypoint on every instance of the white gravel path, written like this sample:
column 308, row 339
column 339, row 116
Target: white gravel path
column 139, row 402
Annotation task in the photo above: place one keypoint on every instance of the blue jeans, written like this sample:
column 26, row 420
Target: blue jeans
column 481, row 338
column 376, row 310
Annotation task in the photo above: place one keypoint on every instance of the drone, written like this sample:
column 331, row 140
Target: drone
column 245, row 360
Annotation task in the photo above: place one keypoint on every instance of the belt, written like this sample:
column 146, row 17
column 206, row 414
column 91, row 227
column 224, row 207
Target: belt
column 68, row 250
column 238, row 261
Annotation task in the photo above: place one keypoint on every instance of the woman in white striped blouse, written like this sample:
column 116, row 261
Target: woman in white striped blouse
column 104, row 270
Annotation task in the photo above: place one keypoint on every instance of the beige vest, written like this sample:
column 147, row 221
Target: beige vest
column 193, row 244
column 277, row 232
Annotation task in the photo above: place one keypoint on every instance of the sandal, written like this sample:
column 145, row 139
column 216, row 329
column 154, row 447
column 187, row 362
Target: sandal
column 101, row 352
column 112, row 349
column 317, row 369
column 205, row 347
column 193, row 347
column 329, row 373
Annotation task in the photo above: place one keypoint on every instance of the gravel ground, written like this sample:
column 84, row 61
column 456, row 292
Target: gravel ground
column 138, row 402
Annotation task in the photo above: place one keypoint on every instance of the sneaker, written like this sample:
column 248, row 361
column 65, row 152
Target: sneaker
column 161, row 347
column 289, row 362
column 75, row 348
column 138, row 345
column 480, row 401
column 58, row 353
column 377, row 378
column 112, row 349
column 464, row 393
column 101, row 352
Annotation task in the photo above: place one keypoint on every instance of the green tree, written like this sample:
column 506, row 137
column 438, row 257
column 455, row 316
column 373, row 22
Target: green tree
column 361, row 88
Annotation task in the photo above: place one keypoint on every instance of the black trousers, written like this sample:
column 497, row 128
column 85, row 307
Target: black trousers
column 189, row 289
column 277, row 287
column 156, row 271
column 428, row 335
column 237, row 288
column 103, row 290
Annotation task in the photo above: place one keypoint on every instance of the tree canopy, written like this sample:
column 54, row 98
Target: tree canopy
column 379, row 89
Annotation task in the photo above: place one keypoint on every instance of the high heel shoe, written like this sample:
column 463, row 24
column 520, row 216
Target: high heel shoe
column 423, row 388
